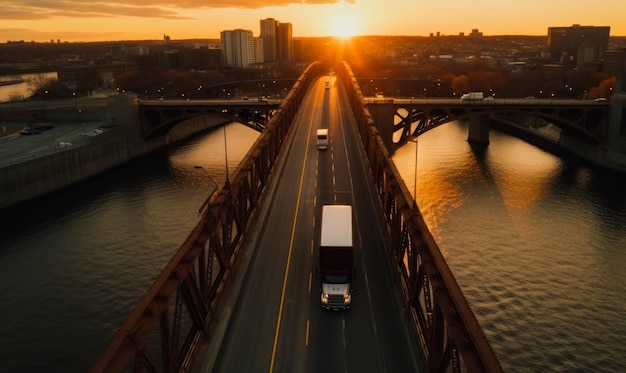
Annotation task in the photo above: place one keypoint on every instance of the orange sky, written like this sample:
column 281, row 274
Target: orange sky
column 83, row 20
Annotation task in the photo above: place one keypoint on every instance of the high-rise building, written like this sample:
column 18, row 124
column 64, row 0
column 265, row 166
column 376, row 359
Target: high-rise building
column 615, row 60
column 239, row 48
column 577, row 45
column 285, row 43
column 269, row 30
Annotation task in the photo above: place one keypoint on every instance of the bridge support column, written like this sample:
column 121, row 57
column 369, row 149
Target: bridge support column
column 479, row 130
column 383, row 114
column 617, row 114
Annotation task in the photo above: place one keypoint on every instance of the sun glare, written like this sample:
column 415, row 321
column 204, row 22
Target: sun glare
column 343, row 23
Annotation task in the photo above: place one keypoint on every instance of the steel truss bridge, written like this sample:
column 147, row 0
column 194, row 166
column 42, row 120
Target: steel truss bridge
column 157, row 117
column 583, row 120
column 182, row 307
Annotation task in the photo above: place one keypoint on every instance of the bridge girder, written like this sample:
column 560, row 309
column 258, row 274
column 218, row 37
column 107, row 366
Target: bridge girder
column 158, row 119
column 587, row 123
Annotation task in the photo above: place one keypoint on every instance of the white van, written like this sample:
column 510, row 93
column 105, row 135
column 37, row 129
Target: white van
column 322, row 138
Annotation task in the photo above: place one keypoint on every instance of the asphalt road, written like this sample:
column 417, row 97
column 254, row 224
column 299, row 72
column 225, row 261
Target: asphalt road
column 277, row 323
column 16, row 148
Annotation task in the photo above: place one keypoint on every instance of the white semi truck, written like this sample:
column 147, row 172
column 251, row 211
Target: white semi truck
column 472, row 96
column 322, row 138
column 336, row 255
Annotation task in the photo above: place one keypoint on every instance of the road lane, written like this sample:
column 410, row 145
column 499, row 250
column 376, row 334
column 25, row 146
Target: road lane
column 277, row 324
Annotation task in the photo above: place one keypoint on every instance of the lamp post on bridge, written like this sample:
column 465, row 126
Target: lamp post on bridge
column 415, row 174
column 206, row 202
column 227, row 184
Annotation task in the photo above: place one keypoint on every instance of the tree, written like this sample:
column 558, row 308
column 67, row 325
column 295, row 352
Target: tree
column 460, row 84
column 604, row 89
column 41, row 84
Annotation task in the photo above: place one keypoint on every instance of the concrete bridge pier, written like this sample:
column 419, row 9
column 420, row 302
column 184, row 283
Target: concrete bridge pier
column 617, row 114
column 479, row 130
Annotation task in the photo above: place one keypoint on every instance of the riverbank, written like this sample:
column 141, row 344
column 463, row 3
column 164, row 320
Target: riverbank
column 87, row 156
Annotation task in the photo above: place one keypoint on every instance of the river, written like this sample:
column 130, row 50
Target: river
column 74, row 264
column 537, row 243
column 23, row 90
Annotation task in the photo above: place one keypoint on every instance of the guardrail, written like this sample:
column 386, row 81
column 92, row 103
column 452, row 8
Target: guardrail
column 448, row 331
column 185, row 299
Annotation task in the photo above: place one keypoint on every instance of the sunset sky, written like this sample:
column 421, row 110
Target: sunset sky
column 86, row 20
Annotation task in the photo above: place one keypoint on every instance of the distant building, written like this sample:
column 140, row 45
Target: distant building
column 167, row 59
column 578, row 45
column 239, row 48
column 614, row 61
column 269, row 35
column 285, row 43
column 199, row 58
column 476, row 34
column 91, row 74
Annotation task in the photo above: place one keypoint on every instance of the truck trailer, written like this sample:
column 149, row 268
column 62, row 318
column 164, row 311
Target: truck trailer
column 472, row 96
column 336, row 253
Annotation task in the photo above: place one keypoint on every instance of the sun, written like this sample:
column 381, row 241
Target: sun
column 343, row 24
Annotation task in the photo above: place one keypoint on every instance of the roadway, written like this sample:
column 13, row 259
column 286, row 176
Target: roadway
column 277, row 324
column 16, row 148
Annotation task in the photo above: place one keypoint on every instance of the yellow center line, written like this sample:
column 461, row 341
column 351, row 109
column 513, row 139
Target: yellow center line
column 306, row 341
column 293, row 234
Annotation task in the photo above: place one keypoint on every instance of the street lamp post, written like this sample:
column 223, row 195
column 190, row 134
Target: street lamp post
column 206, row 202
column 415, row 175
column 227, row 185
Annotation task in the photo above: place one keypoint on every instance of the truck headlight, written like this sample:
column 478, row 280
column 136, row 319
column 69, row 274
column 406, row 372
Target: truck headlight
column 324, row 298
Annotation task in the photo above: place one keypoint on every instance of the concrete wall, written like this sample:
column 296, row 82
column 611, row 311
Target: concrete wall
column 116, row 146
column 36, row 177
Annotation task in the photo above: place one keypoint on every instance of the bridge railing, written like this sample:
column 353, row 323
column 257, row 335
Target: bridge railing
column 448, row 331
column 167, row 325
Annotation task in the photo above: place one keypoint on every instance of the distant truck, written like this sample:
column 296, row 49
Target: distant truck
column 336, row 255
column 322, row 138
column 327, row 84
column 472, row 96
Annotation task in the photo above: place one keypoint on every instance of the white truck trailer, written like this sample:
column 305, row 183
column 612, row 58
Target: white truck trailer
column 336, row 255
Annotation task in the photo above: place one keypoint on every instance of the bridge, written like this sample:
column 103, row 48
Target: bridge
column 593, row 130
column 188, row 303
column 157, row 117
column 585, row 120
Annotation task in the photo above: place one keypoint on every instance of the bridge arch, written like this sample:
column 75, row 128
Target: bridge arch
column 583, row 120
column 157, row 118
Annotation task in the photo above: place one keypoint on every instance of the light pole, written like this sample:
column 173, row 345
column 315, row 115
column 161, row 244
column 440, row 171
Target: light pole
column 227, row 185
column 415, row 174
column 206, row 202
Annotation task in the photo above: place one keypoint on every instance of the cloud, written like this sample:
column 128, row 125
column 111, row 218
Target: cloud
column 49, row 9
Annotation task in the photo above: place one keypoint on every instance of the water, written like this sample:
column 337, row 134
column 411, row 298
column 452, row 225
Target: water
column 537, row 244
column 22, row 90
column 73, row 265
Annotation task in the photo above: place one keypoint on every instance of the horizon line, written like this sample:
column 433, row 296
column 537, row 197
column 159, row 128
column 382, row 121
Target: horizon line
column 17, row 41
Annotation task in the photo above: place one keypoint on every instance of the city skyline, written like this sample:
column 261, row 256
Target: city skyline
column 111, row 20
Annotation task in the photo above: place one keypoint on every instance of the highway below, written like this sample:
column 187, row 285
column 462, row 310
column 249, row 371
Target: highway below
column 277, row 323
